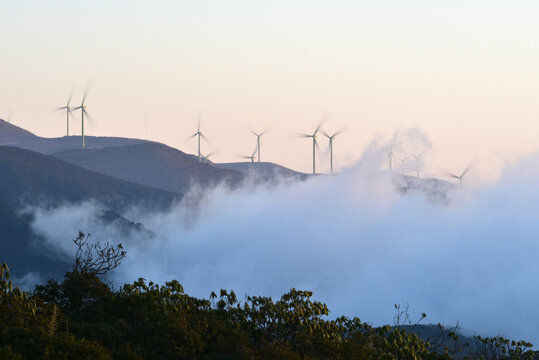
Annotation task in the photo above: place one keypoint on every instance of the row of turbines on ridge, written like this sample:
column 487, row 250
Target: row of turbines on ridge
column 256, row 153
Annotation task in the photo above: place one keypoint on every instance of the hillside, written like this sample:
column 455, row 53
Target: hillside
column 436, row 190
column 265, row 169
column 152, row 164
column 13, row 135
column 30, row 178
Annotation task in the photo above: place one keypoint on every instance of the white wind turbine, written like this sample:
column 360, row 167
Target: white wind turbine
column 252, row 158
column 258, row 136
column 84, row 112
column 416, row 157
column 462, row 174
column 315, row 143
column 403, row 159
column 199, row 135
column 68, row 110
column 331, row 138
column 390, row 155
column 207, row 157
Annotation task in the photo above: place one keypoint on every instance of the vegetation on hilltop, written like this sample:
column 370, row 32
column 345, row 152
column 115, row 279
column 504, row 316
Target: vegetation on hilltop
column 83, row 317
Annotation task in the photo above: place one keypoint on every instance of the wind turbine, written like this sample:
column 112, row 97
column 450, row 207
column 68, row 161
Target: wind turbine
column 416, row 157
column 82, row 107
column 258, row 136
column 199, row 135
column 205, row 158
column 459, row 177
column 252, row 157
column 315, row 143
column 68, row 109
column 402, row 163
column 390, row 158
column 331, row 138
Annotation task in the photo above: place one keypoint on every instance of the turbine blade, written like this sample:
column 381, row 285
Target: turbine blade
column 90, row 118
column 199, row 120
column 316, row 144
column 300, row 135
column 323, row 120
column 69, row 99
column 86, row 91
column 450, row 174
column 340, row 131
column 205, row 138
column 468, row 168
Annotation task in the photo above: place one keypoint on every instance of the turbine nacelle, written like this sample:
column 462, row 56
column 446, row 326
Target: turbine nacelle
column 462, row 174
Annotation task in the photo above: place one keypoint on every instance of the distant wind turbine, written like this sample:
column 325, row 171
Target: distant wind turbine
column 331, row 138
column 68, row 109
column 315, row 143
column 82, row 107
column 461, row 176
column 252, row 158
column 416, row 157
column 206, row 158
column 390, row 158
column 199, row 135
column 258, row 136
column 402, row 164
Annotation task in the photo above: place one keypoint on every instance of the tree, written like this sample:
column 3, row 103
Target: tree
column 96, row 258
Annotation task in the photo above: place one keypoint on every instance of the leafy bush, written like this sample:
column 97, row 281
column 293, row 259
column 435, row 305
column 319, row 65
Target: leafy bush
column 83, row 318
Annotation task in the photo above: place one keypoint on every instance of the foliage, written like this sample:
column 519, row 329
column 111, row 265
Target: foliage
column 82, row 317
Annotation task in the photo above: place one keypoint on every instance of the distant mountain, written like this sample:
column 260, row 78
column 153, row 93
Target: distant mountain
column 264, row 169
column 436, row 190
column 15, row 136
column 30, row 178
column 152, row 164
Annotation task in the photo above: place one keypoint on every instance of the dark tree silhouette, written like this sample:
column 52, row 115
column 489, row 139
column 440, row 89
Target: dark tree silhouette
column 96, row 258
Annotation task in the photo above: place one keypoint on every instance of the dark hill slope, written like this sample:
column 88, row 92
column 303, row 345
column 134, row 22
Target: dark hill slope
column 15, row 136
column 29, row 178
column 151, row 164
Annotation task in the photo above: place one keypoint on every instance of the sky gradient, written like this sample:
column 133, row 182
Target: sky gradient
column 465, row 72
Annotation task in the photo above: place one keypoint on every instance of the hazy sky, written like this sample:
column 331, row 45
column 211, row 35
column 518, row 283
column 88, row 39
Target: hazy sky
column 465, row 72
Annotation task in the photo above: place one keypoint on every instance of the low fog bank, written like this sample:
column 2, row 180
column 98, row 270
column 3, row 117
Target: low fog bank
column 350, row 238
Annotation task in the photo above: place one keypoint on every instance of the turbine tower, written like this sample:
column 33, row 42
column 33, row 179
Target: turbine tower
column 82, row 107
column 68, row 109
column 416, row 157
column 402, row 164
column 390, row 158
column 258, row 136
column 461, row 176
column 315, row 143
column 199, row 135
column 331, row 138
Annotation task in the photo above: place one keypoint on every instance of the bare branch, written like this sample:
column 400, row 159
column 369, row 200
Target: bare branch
column 96, row 258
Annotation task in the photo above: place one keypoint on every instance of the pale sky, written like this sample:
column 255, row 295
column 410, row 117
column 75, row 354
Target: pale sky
column 465, row 72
